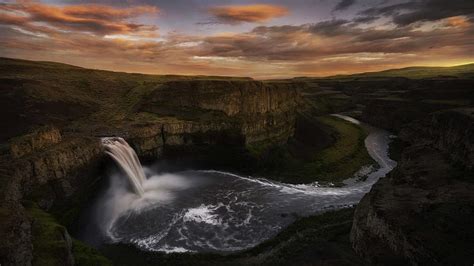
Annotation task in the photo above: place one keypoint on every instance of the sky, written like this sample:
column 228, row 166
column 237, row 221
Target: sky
column 260, row 39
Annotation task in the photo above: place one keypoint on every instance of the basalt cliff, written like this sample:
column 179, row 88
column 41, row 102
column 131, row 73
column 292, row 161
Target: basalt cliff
column 420, row 214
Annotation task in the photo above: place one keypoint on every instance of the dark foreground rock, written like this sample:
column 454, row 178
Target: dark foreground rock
column 422, row 213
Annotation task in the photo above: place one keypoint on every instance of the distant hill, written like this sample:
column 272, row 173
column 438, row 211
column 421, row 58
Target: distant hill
column 462, row 71
column 23, row 65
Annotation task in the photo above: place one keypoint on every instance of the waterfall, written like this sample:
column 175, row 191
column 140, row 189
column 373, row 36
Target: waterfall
column 127, row 160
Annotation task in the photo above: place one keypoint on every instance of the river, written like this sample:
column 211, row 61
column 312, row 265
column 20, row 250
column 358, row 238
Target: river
column 215, row 211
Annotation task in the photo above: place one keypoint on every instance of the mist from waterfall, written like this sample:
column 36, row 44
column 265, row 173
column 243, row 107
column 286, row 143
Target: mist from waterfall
column 148, row 188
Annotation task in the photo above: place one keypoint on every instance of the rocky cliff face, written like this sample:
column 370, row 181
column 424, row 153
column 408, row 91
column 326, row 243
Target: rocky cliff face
column 451, row 132
column 36, row 141
column 232, row 97
column 48, row 168
column 215, row 113
column 421, row 212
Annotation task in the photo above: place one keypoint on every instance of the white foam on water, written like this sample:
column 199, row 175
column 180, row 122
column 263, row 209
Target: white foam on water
column 150, row 242
column 347, row 118
column 203, row 214
column 168, row 249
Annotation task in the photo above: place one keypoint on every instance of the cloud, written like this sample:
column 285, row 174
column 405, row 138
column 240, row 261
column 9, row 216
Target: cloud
column 343, row 5
column 82, row 35
column 101, row 12
column 309, row 42
column 235, row 14
column 457, row 22
column 329, row 27
column 95, row 19
column 421, row 11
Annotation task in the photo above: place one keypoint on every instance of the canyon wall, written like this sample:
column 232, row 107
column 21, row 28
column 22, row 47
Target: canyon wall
column 48, row 168
column 217, row 113
column 421, row 213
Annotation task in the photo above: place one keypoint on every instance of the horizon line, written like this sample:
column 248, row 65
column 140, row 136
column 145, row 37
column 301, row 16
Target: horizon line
column 263, row 79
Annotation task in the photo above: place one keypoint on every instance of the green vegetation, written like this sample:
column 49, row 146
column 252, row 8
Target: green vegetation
column 52, row 244
column 345, row 157
column 333, row 164
column 87, row 256
column 322, row 104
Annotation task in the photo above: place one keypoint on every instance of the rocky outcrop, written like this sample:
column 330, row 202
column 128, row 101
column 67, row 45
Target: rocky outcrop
column 34, row 141
column 420, row 214
column 16, row 247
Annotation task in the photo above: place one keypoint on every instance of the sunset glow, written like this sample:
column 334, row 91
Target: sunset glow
column 265, row 39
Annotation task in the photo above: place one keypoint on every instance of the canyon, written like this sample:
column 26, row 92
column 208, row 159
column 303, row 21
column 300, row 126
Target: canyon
column 52, row 159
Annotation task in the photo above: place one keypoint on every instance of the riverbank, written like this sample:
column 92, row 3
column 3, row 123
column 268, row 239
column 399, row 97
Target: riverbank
column 330, row 165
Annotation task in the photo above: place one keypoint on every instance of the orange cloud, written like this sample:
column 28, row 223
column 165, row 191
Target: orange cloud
column 457, row 22
column 96, row 19
column 63, row 33
column 234, row 14
column 106, row 12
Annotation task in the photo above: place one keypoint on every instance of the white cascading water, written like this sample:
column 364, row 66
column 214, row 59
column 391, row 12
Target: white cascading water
column 127, row 160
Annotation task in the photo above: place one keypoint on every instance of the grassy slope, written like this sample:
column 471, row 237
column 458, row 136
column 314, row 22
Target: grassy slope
column 331, row 165
column 345, row 157
column 462, row 71
column 37, row 93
